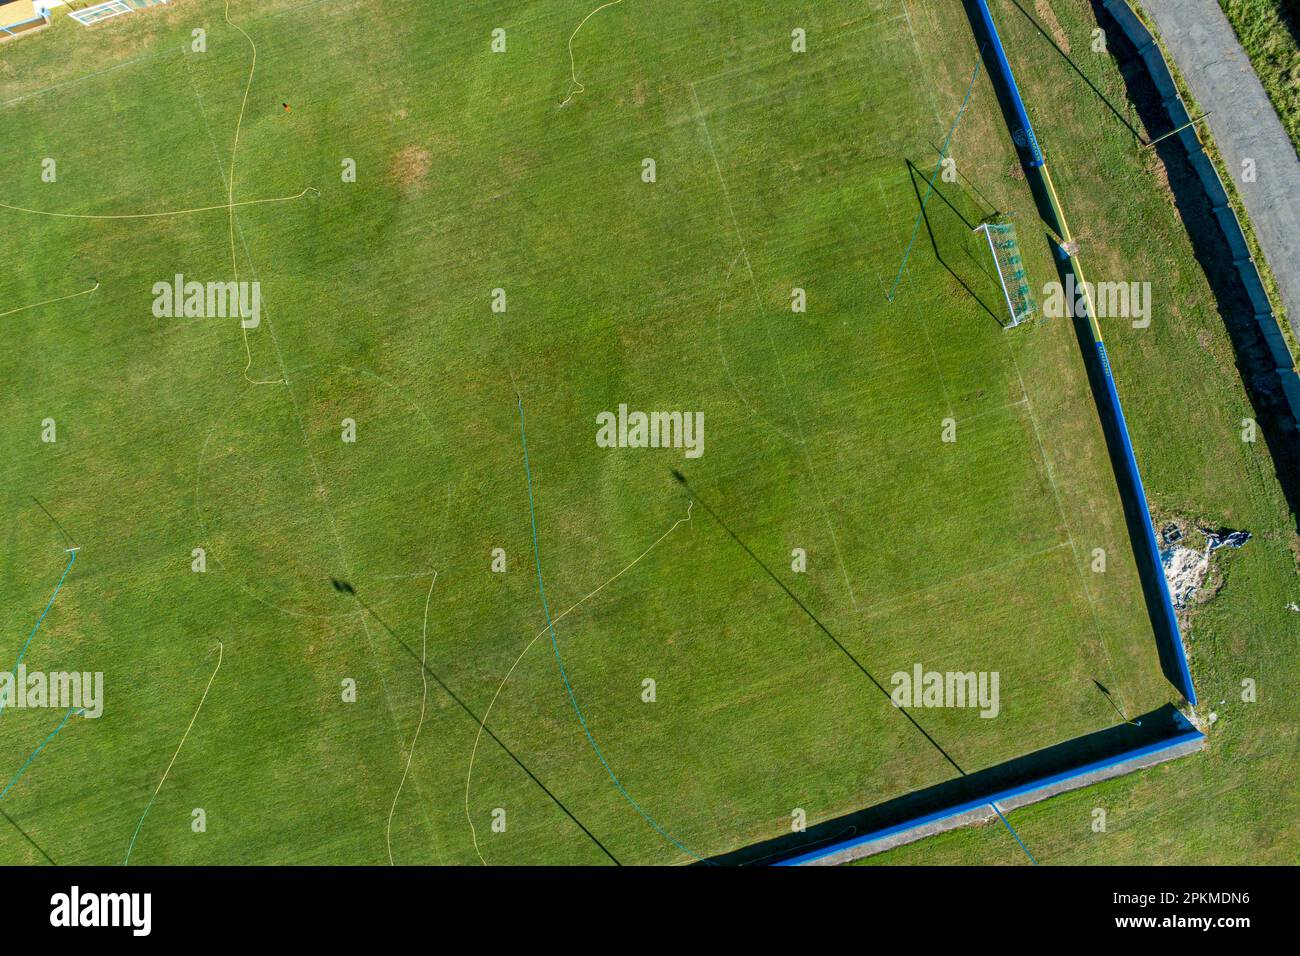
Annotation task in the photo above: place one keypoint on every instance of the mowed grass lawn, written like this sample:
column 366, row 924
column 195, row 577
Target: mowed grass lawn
column 774, row 171
column 1185, row 405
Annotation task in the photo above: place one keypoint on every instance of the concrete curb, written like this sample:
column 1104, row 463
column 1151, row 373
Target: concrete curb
column 1244, row 124
column 985, row 812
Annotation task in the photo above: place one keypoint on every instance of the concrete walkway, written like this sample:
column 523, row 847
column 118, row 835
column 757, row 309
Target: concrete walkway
column 985, row 813
column 1244, row 125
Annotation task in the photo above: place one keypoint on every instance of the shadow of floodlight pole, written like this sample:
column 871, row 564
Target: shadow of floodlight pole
column 1083, row 76
column 27, row 836
column 681, row 479
column 343, row 587
column 1105, row 692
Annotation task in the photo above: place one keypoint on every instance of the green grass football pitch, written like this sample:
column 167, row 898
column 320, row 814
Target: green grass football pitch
column 773, row 171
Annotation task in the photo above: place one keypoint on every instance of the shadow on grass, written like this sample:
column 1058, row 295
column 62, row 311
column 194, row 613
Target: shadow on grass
column 1289, row 13
column 1083, row 76
column 345, row 588
column 1062, row 758
column 1137, row 519
column 1106, row 744
column 1211, row 252
column 958, row 254
column 1250, row 350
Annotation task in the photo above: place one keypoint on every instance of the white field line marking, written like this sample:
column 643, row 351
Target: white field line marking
column 925, row 327
column 754, row 66
column 424, row 697
column 727, row 368
column 24, row 308
column 404, row 576
column 1018, row 403
column 221, row 651
column 577, row 86
column 875, row 610
column 934, row 356
column 78, row 79
column 1065, row 522
column 469, row 774
column 311, row 458
column 758, row 304
column 299, row 8
column 920, row 64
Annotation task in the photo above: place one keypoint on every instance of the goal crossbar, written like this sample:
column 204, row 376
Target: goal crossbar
column 1005, row 249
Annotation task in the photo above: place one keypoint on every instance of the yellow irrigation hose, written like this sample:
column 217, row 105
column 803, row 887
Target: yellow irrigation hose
column 161, row 215
column 415, row 738
column 229, row 205
column 577, row 86
column 221, row 652
column 24, row 308
column 230, row 195
column 469, row 773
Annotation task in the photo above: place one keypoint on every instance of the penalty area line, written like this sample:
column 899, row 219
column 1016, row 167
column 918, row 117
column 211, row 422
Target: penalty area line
column 943, row 154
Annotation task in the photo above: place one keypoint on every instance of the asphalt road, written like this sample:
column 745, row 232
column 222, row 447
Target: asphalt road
column 1244, row 125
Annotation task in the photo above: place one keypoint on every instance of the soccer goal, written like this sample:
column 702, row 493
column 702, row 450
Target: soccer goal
column 101, row 11
column 113, row 8
column 1005, row 248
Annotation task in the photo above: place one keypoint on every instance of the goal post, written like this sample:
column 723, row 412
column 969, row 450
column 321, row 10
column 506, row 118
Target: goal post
column 89, row 16
column 99, row 12
column 1005, row 249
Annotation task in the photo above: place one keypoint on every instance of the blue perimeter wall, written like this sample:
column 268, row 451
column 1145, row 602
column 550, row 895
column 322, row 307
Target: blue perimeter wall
column 1185, row 736
column 1025, row 139
column 1131, row 478
column 1153, row 59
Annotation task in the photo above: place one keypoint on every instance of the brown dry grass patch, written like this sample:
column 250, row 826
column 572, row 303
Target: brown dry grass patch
column 1048, row 18
column 410, row 167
